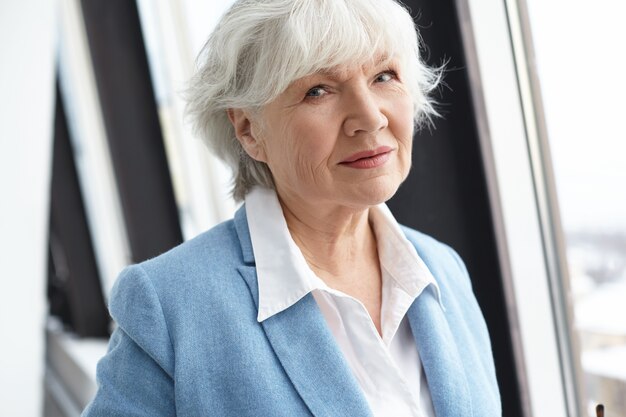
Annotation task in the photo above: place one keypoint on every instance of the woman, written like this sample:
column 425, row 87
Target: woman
column 312, row 300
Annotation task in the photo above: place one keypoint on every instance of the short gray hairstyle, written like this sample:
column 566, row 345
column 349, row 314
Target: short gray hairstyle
column 260, row 47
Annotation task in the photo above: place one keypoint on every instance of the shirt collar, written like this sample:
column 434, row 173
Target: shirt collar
column 284, row 276
column 398, row 256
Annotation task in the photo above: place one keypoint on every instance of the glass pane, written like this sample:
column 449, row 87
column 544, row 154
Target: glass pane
column 581, row 59
column 174, row 33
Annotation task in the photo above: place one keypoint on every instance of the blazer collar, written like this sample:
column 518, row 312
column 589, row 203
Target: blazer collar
column 241, row 226
column 440, row 357
column 305, row 346
column 436, row 344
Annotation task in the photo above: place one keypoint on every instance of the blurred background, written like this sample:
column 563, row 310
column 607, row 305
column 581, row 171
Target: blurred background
column 524, row 175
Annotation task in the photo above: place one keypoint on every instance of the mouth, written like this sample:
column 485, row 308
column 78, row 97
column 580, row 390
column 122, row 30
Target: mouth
column 368, row 159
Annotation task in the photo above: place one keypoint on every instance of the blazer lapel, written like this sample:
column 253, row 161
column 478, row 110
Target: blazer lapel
column 440, row 357
column 305, row 347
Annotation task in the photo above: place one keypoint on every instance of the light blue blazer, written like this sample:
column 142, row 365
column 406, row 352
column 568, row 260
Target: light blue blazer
column 188, row 342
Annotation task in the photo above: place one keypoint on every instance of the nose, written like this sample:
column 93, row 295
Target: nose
column 364, row 113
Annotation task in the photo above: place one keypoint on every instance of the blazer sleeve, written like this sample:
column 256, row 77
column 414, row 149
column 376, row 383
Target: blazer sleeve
column 135, row 377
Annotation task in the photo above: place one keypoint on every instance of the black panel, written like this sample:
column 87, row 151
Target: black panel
column 74, row 289
column 132, row 125
column 446, row 194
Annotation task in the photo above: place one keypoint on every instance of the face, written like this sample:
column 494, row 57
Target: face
column 341, row 137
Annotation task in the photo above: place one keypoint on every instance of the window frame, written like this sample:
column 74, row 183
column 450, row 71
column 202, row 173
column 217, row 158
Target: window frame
column 524, row 203
column 92, row 158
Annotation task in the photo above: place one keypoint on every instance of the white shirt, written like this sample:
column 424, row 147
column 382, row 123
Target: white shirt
column 387, row 369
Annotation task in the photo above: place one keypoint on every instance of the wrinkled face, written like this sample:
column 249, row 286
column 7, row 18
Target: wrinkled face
column 341, row 137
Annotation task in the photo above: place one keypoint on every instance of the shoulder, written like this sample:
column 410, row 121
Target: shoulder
column 425, row 242
column 217, row 246
column 442, row 260
column 210, row 256
column 454, row 283
column 172, row 286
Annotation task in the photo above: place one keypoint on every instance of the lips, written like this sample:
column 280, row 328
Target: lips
column 368, row 159
column 366, row 154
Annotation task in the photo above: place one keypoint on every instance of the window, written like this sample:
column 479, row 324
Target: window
column 550, row 85
column 580, row 70
column 174, row 32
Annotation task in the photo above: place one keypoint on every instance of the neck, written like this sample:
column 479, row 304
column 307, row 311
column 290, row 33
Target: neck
column 334, row 239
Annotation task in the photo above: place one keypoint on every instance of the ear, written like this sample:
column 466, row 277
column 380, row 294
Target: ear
column 246, row 134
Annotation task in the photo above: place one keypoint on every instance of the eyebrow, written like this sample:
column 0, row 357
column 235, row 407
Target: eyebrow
column 336, row 72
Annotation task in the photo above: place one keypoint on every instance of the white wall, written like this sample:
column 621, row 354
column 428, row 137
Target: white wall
column 27, row 37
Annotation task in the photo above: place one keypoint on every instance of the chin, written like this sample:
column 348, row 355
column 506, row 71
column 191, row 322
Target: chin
column 374, row 192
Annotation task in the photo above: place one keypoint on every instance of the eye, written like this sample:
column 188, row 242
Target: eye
column 386, row 76
column 317, row 91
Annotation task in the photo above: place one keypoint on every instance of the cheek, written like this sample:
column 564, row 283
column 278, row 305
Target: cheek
column 313, row 141
column 297, row 152
column 402, row 125
column 406, row 119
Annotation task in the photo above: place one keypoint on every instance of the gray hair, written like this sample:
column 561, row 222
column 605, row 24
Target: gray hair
column 260, row 47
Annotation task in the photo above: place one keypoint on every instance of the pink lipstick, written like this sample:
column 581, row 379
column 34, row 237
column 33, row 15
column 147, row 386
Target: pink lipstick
column 368, row 159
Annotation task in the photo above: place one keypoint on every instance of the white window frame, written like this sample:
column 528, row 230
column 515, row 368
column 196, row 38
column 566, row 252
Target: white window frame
column 523, row 200
column 96, row 176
